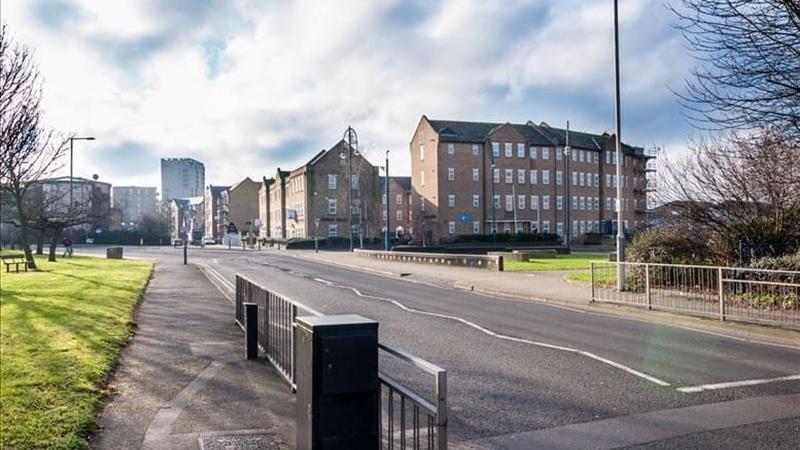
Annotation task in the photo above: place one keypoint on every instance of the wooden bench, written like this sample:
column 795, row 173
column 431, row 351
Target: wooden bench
column 14, row 260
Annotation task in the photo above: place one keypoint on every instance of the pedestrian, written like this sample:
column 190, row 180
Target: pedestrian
column 67, row 242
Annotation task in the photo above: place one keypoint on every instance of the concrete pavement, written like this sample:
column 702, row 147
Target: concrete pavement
column 183, row 379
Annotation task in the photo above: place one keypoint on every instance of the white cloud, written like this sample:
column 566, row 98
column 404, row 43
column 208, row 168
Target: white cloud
column 290, row 76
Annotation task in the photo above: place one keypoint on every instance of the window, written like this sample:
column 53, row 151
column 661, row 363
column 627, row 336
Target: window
column 476, row 227
column 398, row 199
column 546, row 202
column 559, row 178
column 476, row 201
column 353, row 181
column 534, row 202
column 534, row 177
column 582, row 226
column 596, row 158
column 332, row 206
column 582, row 203
column 507, row 228
column 495, row 175
column 520, row 150
column 546, row 226
column 520, row 202
column 608, row 180
column 509, row 150
column 625, row 223
column 558, row 152
column 575, row 227
column 422, row 204
column 495, row 149
column 451, row 149
column 421, row 152
column 399, row 216
column 451, row 200
column 332, row 181
column 333, row 230
column 451, row 174
column 509, row 176
column 534, row 152
column 574, row 178
column 580, row 179
column 545, row 177
column 475, row 150
column 608, row 158
column 597, row 203
column 596, row 180
column 422, row 178
column 451, row 227
column 521, row 176
column 560, row 228
column 574, row 202
column 545, row 152
column 383, row 199
column 559, row 202
column 476, row 174
column 580, row 155
column 509, row 202
column 608, row 203
column 496, row 202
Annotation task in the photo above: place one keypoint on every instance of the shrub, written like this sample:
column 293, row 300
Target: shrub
column 669, row 246
column 785, row 262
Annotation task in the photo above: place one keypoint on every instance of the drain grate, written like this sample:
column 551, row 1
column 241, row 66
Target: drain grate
column 242, row 442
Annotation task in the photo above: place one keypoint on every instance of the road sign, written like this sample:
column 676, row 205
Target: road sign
column 464, row 218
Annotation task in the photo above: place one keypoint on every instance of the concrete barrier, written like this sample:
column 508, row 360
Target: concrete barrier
column 524, row 255
column 487, row 262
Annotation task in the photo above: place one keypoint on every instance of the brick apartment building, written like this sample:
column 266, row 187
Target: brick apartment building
column 400, row 212
column 292, row 201
column 240, row 206
column 215, row 212
column 459, row 170
column 134, row 202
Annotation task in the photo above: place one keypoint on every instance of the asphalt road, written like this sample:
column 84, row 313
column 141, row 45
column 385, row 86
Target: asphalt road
column 526, row 375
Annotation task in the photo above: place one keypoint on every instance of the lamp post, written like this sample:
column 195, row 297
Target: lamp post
column 71, row 140
column 387, row 245
column 351, row 137
column 617, row 115
column 567, row 180
column 494, row 206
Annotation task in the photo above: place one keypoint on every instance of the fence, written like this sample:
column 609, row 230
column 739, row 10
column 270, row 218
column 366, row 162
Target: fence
column 276, row 322
column 742, row 294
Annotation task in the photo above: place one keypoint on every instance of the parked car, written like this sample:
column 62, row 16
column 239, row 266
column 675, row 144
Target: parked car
column 177, row 242
column 208, row 240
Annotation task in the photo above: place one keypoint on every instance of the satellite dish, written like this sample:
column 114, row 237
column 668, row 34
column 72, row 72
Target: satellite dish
column 95, row 177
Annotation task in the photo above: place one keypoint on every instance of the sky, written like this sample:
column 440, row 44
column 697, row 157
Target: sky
column 249, row 86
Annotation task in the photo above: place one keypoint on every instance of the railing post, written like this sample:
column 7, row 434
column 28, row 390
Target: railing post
column 647, row 286
column 591, row 277
column 441, row 410
column 251, row 330
column 721, row 294
column 293, row 359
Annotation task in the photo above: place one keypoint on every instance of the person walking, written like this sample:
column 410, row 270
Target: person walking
column 67, row 242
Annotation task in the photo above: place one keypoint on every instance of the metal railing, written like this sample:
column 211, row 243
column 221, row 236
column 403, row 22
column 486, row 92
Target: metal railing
column 735, row 293
column 276, row 322
column 428, row 420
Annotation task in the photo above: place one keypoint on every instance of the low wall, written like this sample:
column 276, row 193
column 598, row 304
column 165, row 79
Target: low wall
column 475, row 261
column 524, row 255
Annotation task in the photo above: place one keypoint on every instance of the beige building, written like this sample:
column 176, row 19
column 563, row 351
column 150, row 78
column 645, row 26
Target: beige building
column 215, row 212
column 240, row 205
column 314, row 198
column 475, row 177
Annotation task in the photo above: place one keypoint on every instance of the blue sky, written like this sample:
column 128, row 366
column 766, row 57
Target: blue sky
column 247, row 86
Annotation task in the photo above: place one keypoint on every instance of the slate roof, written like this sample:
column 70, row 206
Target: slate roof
column 541, row 134
column 217, row 190
column 404, row 182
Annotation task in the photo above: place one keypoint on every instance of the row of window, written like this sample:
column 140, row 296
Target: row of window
column 332, row 181
column 398, row 199
column 578, row 227
column 579, row 203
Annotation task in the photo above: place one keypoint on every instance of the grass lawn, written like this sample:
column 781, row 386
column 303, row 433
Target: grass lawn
column 561, row 262
column 61, row 330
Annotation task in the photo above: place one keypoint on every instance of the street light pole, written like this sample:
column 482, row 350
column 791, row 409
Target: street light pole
column 71, row 139
column 350, row 132
column 567, row 180
column 387, row 246
column 494, row 207
column 617, row 117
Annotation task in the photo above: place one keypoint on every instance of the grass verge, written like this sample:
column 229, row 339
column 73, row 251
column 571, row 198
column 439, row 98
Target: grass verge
column 61, row 330
column 560, row 262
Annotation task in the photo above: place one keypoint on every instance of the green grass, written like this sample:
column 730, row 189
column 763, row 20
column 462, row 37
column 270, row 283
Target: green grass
column 61, row 330
column 561, row 262
column 604, row 277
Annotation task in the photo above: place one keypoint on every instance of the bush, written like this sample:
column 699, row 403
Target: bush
column 785, row 262
column 669, row 246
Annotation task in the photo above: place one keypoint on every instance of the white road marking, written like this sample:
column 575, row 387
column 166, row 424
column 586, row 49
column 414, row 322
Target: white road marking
column 733, row 384
column 495, row 334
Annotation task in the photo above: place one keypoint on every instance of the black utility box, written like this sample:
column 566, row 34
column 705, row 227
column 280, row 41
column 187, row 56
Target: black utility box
column 338, row 393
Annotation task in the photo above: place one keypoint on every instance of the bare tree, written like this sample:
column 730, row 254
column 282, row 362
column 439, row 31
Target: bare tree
column 29, row 151
column 749, row 63
column 737, row 188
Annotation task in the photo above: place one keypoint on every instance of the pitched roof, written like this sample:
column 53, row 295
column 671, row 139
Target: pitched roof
column 216, row 190
column 404, row 182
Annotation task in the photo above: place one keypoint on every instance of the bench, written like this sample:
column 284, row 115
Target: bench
column 14, row 260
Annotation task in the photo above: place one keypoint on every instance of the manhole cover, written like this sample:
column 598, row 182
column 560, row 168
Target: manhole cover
column 242, row 442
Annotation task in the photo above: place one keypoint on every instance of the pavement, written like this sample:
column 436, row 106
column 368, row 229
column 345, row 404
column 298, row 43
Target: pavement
column 183, row 382
column 522, row 372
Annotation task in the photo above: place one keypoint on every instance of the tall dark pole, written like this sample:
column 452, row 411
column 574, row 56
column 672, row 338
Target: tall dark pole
column 387, row 245
column 71, row 139
column 494, row 207
column 567, row 180
column 350, row 132
column 618, row 130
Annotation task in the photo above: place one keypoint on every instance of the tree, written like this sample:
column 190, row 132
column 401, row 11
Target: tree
column 733, row 188
column 749, row 55
column 29, row 151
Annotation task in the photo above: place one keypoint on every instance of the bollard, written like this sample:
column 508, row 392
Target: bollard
column 338, row 393
column 185, row 245
column 251, row 330
column 243, row 245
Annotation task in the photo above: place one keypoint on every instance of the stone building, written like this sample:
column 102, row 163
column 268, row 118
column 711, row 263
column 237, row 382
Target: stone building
column 477, row 178
column 134, row 202
column 215, row 212
column 240, row 203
